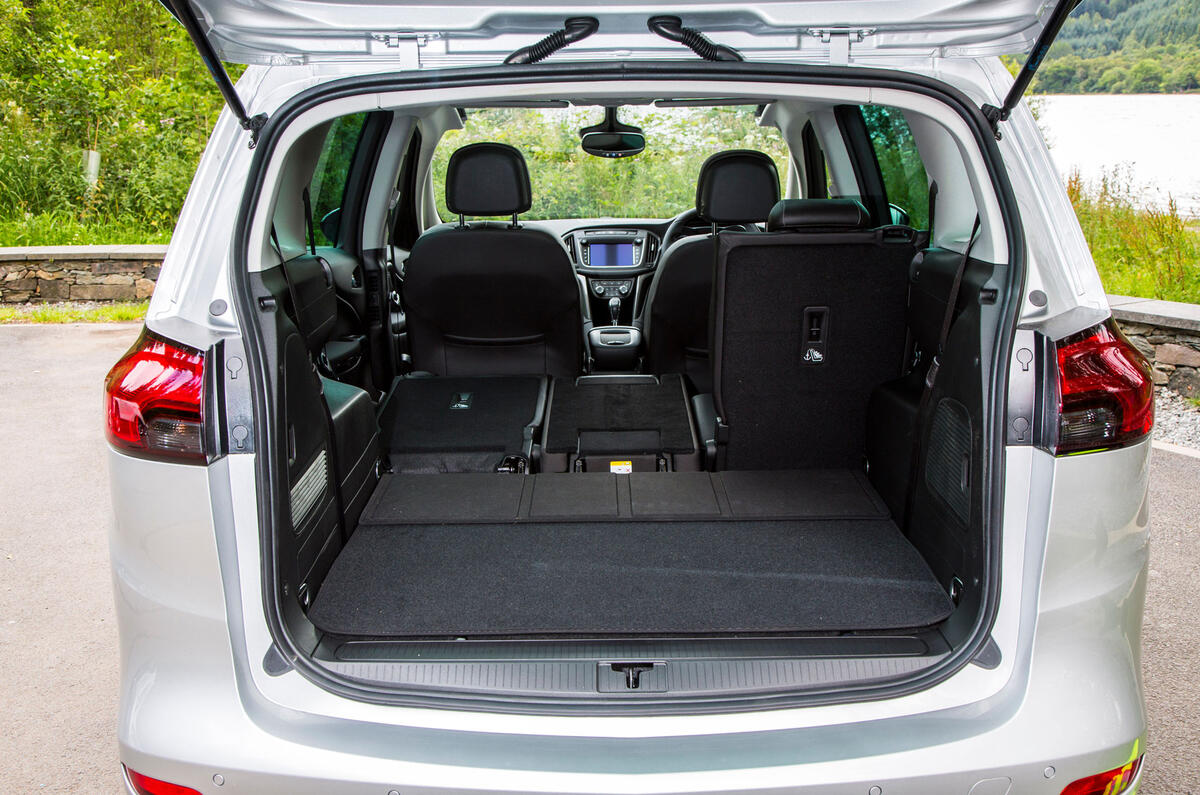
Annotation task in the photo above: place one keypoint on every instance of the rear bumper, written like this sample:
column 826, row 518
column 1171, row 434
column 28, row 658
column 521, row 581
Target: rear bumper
column 1067, row 695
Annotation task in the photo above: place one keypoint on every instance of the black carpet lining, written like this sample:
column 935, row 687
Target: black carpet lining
column 627, row 578
column 660, row 407
column 641, row 496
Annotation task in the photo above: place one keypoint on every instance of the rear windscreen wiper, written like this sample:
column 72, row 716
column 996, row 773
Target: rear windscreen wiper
column 672, row 28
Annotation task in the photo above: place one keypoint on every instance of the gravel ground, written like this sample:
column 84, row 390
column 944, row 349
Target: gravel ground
column 1176, row 420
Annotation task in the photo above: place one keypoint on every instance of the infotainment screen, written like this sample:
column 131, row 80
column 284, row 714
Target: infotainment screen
column 610, row 255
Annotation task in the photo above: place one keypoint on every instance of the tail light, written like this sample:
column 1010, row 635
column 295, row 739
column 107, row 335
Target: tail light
column 1105, row 391
column 154, row 400
column 1111, row 782
column 144, row 785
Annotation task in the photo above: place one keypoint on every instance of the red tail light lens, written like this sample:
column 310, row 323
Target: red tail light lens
column 154, row 400
column 144, row 785
column 1112, row 782
column 1106, row 392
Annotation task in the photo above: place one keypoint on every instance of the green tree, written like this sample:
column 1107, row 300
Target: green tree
column 1145, row 77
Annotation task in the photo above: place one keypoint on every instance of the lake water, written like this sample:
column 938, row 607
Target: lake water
column 1153, row 140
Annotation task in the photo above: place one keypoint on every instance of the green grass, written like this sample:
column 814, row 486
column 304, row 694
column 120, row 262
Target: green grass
column 1142, row 251
column 123, row 312
column 64, row 229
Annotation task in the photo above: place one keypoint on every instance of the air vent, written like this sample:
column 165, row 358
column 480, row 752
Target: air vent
column 651, row 249
column 569, row 242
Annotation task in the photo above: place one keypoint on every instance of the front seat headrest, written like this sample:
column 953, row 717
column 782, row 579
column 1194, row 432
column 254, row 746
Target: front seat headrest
column 487, row 179
column 737, row 187
column 800, row 215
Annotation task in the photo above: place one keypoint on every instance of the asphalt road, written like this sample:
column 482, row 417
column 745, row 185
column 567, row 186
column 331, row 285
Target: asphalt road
column 58, row 646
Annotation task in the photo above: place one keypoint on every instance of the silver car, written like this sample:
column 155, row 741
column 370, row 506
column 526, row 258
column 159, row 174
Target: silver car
column 666, row 398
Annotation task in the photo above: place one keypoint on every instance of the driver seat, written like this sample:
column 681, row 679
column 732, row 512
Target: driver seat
column 739, row 186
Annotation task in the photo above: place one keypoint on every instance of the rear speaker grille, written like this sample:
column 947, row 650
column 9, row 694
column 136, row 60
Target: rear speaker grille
column 948, row 462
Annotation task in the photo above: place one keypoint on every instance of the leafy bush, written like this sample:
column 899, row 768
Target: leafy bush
column 568, row 183
column 116, row 77
column 1139, row 250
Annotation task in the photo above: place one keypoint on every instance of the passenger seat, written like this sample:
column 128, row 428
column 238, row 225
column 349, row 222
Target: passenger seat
column 493, row 309
column 491, row 297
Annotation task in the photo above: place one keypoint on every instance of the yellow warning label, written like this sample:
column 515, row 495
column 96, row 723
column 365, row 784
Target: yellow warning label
column 620, row 467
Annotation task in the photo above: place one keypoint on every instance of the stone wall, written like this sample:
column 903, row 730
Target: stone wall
column 1168, row 334
column 79, row 273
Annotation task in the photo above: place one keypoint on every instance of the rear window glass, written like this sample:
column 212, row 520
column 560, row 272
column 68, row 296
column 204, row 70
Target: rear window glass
column 904, row 177
column 568, row 183
column 328, row 184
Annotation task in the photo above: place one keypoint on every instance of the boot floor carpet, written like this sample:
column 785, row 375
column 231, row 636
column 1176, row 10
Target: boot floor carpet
column 598, row 577
column 490, row 498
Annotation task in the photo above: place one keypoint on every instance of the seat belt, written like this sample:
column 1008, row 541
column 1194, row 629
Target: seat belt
column 394, row 296
column 931, row 374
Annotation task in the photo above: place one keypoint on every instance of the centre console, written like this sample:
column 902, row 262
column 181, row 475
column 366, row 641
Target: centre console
column 615, row 348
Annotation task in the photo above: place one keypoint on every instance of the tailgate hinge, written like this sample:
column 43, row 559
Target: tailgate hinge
column 406, row 47
column 839, row 41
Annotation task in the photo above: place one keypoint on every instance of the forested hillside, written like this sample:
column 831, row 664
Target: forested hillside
column 119, row 78
column 1126, row 47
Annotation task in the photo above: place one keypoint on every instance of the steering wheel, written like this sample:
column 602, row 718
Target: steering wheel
column 679, row 225
column 690, row 219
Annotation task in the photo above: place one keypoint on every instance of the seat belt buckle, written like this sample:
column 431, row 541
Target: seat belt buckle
column 931, row 373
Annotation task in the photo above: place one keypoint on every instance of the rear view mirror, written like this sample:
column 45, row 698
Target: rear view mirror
column 611, row 138
column 615, row 144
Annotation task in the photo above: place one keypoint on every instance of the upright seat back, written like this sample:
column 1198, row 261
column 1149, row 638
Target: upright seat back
column 491, row 297
column 807, row 320
column 734, row 187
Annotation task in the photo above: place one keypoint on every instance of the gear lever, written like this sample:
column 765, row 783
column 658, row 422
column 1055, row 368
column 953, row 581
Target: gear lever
column 614, row 309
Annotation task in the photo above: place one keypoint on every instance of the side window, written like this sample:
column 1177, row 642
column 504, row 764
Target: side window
column 904, row 179
column 328, row 184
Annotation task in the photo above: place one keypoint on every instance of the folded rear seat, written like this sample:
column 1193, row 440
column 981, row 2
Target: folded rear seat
column 620, row 424
column 462, row 423
column 807, row 321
